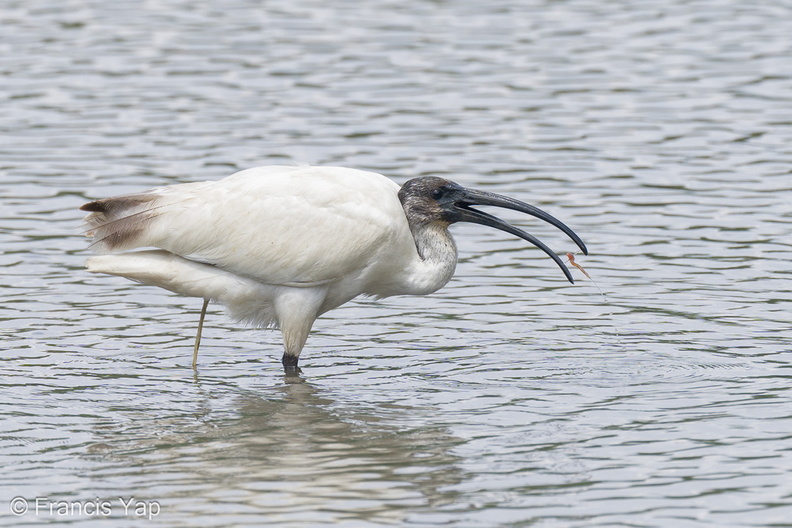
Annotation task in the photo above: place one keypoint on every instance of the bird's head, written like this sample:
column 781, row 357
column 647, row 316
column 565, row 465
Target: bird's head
column 431, row 199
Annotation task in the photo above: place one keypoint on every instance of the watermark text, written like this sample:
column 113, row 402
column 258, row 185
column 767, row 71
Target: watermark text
column 120, row 506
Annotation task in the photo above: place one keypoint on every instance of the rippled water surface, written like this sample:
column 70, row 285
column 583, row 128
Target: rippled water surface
column 660, row 131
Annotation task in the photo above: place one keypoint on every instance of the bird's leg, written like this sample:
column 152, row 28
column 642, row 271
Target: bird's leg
column 297, row 309
column 293, row 341
column 198, row 335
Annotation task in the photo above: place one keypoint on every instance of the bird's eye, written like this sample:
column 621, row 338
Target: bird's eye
column 437, row 194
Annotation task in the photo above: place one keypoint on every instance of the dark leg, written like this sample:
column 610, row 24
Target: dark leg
column 198, row 335
column 290, row 364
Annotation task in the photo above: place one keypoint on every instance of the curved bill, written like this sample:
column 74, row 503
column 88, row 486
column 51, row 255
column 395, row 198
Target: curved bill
column 473, row 197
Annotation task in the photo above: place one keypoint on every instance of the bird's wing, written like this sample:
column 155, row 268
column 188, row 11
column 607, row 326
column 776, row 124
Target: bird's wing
column 278, row 225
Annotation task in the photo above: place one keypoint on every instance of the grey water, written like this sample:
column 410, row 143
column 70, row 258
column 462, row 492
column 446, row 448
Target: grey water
column 661, row 131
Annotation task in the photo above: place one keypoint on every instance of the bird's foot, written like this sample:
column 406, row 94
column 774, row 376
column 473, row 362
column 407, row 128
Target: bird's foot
column 290, row 367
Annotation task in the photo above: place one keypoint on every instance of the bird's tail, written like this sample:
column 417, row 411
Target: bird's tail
column 127, row 222
column 115, row 223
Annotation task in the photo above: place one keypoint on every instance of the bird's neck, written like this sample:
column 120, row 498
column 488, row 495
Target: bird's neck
column 437, row 257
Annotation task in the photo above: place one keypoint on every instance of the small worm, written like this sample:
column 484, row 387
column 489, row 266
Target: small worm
column 571, row 258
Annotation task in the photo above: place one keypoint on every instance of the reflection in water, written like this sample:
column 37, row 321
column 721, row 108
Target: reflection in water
column 293, row 454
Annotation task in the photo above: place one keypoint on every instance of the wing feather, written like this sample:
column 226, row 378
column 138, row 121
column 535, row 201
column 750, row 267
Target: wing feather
column 298, row 226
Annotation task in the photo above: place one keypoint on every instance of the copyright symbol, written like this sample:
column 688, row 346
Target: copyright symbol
column 19, row 506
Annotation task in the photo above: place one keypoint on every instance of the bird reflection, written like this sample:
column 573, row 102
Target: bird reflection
column 294, row 452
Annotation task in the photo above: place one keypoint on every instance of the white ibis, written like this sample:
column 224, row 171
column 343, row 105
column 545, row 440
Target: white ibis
column 279, row 246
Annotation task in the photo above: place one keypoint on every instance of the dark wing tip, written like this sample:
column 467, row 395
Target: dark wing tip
column 94, row 207
column 123, row 205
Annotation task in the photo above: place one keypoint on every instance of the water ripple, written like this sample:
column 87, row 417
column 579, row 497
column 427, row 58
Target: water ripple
column 660, row 131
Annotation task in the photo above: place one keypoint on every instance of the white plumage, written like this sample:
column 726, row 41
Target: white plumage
column 279, row 246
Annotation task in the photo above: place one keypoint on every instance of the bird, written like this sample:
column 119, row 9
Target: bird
column 279, row 246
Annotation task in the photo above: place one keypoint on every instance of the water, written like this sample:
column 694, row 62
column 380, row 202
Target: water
column 660, row 131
